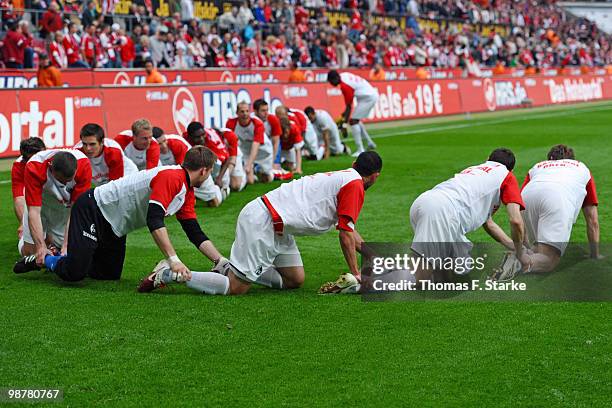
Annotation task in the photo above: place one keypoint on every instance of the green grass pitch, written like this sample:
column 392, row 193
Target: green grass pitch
column 106, row 345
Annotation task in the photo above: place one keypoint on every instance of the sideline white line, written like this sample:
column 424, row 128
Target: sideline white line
column 5, row 181
column 478, row 122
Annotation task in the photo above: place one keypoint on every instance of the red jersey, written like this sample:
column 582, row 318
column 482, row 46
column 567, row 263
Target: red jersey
column 294, row 137
column 18, row 177
column 254, row 131
column 143, row 159
column 71, row 46
column 177, row 149
column 39, row 182
column 58, row 55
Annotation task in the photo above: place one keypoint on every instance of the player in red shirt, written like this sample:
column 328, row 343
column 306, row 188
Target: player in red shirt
column 103, row 217
column 28, row 148
column 291, row 145
column 254, row 144
column 264, row 251
column 271, row 123
column 107, row 160
column 139, row 145
column 55, row 178
column 554, row 191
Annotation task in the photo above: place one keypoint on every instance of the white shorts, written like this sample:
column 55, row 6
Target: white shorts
column 364, row 106
column 437, row 230
column 208, row 191
column 257, row 247
column 53, row 222
column 264, row 158
column 226, row 176
column 548, row 217
column 289, row 155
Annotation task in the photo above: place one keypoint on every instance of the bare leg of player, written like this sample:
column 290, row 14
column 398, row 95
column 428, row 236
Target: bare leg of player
column 544, row 259
column 237, row 183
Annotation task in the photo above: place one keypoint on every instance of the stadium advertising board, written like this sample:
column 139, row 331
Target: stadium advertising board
column 10, row 79
column 57, row 114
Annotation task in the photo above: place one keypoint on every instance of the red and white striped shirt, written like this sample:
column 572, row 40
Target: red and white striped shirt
column 111, row 164
column 143, row 159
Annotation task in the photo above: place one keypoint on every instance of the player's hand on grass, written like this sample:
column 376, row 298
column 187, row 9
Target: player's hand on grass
column 183, row 273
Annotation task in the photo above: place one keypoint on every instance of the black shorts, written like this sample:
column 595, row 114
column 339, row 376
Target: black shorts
column 93, row 248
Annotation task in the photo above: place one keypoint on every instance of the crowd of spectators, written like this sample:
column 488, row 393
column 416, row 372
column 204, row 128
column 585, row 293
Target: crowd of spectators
column 280, row 33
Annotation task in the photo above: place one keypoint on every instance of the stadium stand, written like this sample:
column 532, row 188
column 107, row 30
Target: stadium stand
column 314, row 33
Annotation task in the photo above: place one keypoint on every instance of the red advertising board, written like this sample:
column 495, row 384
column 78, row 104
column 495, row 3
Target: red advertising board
column 56, row 115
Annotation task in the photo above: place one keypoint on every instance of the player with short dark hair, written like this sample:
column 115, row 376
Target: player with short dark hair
column 54, row 180
column 28, row 148
column 264, row 250
column 442, row 216
column 108, row 162
column 102, row 218
column 271, row 123
column 327, row 132
column 355, row 87
column 554, row 191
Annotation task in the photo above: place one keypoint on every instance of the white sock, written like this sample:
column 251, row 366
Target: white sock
column 364, row 133
column 320, row 152
column 356, row 129
column 270, row 278
column 210, row 283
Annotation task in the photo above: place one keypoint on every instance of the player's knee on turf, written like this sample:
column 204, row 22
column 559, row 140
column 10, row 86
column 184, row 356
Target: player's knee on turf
column 293, row 277
column 236, row 184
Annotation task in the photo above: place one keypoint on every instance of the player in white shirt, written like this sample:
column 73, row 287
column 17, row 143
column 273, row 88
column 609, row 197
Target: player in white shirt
column 102, row 218
column 554, row 192
column 254, row 144
column 442, row 216
column 108, row 162
column 54, row 180
column 139, row 145
column 264, row 250
column 327, row 132
column 355, row 87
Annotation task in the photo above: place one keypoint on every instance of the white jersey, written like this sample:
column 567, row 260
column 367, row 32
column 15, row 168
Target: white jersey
column 124, row 202
column 323, row 121
column 177, row 148
column 567, row 180
column 143, row 159
column 312, row 205
column 111, row 164
column 360, row 86
column 476, row 193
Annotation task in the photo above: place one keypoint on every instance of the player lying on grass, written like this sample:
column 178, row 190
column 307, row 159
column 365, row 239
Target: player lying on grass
column 54, row 180
column 102, row 218
column 28, row 148
column 442, row 216
column 355, row 87
column 554, row 191
column 264, row 251
column 107, row 160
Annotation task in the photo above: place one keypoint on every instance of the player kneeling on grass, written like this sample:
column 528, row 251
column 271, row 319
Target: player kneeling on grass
column 291, row 146
column 102, row 218
column 264, row 250
column 442, row 216
column 327, row 132
column 554, row 191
